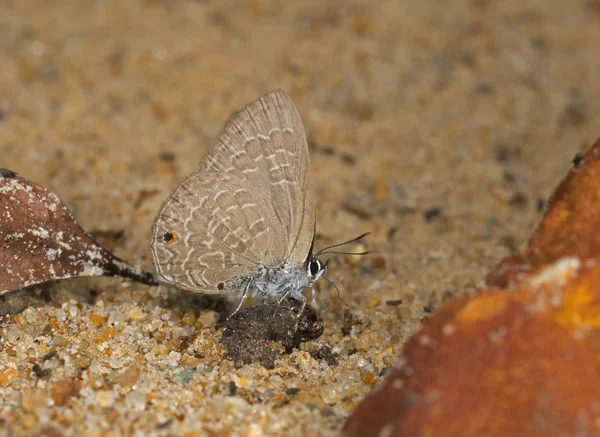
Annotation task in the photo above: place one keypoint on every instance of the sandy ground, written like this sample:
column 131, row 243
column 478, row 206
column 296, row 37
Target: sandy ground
column 441, row 129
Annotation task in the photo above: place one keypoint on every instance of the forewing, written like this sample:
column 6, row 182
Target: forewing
column 266, row 145
column 212, row 230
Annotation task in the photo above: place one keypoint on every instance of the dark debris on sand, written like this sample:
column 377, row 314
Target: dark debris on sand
column 247, row 335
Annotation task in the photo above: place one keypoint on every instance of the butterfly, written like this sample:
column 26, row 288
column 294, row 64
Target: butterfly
column 244, row 221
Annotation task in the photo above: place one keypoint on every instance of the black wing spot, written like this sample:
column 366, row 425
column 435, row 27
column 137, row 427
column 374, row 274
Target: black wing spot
column 169, row 237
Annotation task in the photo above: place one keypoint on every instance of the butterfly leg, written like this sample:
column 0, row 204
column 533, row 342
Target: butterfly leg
column 282, row 298
column 314, row 298
column 303, row 300
column 242, row 300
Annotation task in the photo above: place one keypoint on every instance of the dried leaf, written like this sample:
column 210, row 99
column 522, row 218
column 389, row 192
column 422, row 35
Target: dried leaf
column 520, row 358
column 487, row 365
column 41, row 241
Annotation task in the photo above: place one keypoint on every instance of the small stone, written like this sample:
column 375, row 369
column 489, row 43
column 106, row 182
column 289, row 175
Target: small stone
column 307, row 398
column 39, row 371
column 232, row 388
column 173, row 358
column 206, row 346
column 369, row 378
column 349, row 159
column 346, row 386
column 372, row 303
column 167, row 156
column 136, row 400
column 279, row 400
column 135, row 313
column 106, row 334
column 432, row 213
column 185, row 376
column 33, row 401
column 63, row 390
column 6, row 376
column 7, row 173
column 325, row 353
column 370, row 339
column 189, row 318
column 13, row 334
column 30, row 423
column 117, row 361
column 129, row 376
column 189, row 361
column 50, row 355
column 153, row 325
column 208, row 319
column 388, row 360
column 350, row 320
column 159, row 336
column 104, row 399
column 97, row 320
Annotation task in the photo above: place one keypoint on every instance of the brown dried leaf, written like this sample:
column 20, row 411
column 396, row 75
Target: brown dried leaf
column 40, row 240
column 485, row 366
column 522, row 362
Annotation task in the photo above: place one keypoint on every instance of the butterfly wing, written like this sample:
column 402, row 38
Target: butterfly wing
column 211, row 232
column 266, row 145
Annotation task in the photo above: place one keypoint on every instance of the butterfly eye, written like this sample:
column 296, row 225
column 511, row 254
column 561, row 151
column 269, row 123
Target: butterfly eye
column 314, row 267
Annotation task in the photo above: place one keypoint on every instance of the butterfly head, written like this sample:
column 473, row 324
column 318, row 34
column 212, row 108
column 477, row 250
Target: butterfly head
column 315, row 269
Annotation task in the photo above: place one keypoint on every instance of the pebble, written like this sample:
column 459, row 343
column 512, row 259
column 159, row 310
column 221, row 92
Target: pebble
column 207, row 347
column 208, row 319
column 346, row 385
column 63, row 390
column 136, row 400
column 104, row 398
column 371, row 339
column 13, row 334
column 34, row 401
column 128, row 377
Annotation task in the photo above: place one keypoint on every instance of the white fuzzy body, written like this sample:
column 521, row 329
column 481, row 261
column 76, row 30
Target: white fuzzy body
column 275, row 282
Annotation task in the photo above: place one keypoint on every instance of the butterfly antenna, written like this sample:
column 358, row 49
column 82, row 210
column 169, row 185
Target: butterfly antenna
column 360, row 237
column 337, row 300
column 346, row 253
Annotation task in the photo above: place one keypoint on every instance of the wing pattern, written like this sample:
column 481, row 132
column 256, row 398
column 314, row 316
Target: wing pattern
column 265, row 142
column 211, row 230
column 249, row 203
